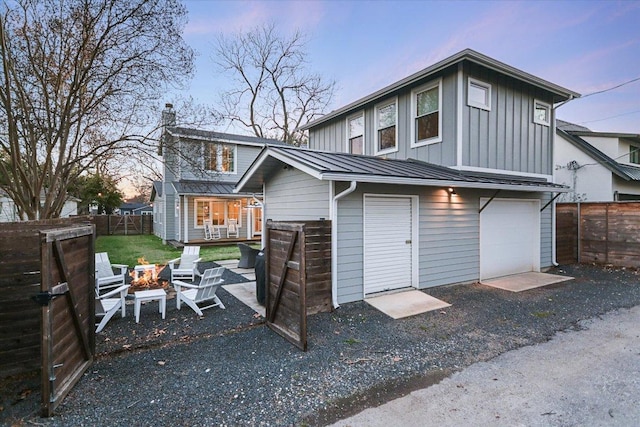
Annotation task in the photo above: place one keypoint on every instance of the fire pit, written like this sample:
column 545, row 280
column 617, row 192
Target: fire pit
column 145, row 276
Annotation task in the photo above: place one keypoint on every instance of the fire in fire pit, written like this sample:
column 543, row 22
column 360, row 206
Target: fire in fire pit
column 146, row 276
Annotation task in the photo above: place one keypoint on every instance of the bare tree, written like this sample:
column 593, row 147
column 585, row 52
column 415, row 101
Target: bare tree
column 274, row 93
column 79, row 83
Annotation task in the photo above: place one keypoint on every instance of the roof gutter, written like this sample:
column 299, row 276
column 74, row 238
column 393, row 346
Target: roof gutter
column 334, row 239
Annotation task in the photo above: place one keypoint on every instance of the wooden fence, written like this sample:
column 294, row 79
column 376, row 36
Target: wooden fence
column 20, row 279
column 603, row 233
column 123, row 224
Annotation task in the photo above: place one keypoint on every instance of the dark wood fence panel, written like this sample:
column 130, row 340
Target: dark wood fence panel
column 566, row 233
column 604, row 233
column 20, row 279
column 298, row 271
column 68, row 340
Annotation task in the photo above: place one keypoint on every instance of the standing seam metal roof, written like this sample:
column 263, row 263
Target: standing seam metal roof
column 347, row 165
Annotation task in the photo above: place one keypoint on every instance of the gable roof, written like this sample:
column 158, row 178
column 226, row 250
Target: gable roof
column 206, row 135
column 332, row 166
column 561, row 94
column 626, row 172
column 568, row 126
column 156, row 190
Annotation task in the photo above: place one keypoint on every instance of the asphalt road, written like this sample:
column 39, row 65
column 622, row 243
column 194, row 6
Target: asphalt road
column 588, row 377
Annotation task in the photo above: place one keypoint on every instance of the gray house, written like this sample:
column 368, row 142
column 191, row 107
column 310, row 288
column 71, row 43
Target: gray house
column 200, row 169
column 442, row 177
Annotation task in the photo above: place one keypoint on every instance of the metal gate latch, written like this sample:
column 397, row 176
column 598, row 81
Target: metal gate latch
column 43, row 298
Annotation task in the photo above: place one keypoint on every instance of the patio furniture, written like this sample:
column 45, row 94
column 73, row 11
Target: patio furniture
column 211, row 232
column 204, row 291
column 247, row 256
column 105, row 276
column 106, row 306
column 150, row 295
column 232, row 228
column 186, row 267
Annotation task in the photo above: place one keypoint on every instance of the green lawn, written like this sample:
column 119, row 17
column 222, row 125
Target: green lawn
column 127, row 250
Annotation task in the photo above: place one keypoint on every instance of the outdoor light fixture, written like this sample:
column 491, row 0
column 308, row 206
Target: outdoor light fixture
column 452, row 191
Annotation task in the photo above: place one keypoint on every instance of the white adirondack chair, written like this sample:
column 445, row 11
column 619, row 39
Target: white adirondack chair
column 232, row 228
column 186, row 267
column 106, row 306
column 204, row 291
column 105, row 276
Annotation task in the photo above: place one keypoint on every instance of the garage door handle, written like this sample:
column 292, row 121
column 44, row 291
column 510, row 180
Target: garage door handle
column 408, row 242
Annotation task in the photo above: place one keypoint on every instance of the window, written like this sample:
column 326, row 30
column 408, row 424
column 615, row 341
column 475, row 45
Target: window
column 220, row 157
column 386, row 119
column 479, row 94
column 634, row 154
column 541, row 113
column 355, row 134
column 217, row 211
column 426, row 106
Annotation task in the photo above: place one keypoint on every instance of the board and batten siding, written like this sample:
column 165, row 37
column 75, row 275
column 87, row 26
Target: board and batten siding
column 332, row 135
column 292, row 195
column 506, row 137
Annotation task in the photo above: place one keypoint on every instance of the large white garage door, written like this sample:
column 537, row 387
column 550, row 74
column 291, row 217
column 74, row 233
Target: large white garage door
column 388, row 250
column 509, row 237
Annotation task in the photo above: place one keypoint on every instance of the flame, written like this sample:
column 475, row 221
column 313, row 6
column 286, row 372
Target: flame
column 148, row 277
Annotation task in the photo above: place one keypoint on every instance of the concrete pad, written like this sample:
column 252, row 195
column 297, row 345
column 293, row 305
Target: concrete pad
column 525, row 281
column 228, row 263
column 246, row 292
column 406, row 303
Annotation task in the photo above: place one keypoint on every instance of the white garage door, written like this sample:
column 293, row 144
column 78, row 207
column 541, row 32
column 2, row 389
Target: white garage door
column 388, row 250
column 509, row 237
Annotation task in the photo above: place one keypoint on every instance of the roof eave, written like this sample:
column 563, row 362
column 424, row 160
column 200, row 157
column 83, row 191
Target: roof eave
column 376, row 179
column 467, row 54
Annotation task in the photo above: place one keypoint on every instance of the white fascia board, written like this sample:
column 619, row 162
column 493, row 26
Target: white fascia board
column 372, row 179
column 289, row 160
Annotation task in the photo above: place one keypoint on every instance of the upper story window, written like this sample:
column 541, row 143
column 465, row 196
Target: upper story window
column 386, row 127
column 541, row 113
column 355, row 134
column 220, row 157
column 479, row 94
column 427, row 121
column 634, row 154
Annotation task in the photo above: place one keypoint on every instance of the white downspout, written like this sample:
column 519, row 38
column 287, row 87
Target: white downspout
column 553, row 234
column 334, row 238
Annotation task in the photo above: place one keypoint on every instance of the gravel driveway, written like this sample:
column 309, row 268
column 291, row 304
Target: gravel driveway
column 228, row 369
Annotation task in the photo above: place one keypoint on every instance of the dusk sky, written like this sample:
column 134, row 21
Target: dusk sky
column 366, row 45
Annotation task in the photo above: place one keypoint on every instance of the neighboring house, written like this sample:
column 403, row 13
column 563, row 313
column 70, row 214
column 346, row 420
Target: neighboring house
column 442, row 177
column 9, row 211
column 136, row 209
column 598, row 166
column 200, row 169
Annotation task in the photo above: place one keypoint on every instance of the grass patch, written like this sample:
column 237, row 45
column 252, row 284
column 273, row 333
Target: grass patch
column 127, row 250
column 351, row 341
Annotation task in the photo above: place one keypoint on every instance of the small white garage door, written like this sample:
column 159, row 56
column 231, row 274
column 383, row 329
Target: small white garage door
column 388, row 245
column 509, row 237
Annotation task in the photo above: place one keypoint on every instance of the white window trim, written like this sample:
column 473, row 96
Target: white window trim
column 414, row 111
column 535, row 118
column 219, row 154
column 375, row 130
column 226, row 212
column 475, row 82
column 364, row 128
